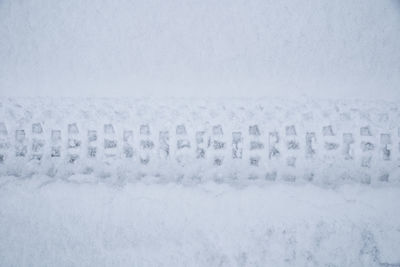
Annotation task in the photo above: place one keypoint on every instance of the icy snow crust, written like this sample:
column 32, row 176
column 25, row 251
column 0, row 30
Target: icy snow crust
column 239, row 141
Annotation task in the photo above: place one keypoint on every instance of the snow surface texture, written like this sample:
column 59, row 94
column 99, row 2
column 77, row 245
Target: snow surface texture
column 233, row 182
column 201, row 48
column 47, row 222
column 240, row 141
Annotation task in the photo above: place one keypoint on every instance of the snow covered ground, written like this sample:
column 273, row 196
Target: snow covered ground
column 200, row 48
column 162, row 205
column 248, row 179
column 325, row 142
column 47, row 222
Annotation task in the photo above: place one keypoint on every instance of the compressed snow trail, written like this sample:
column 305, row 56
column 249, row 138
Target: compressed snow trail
column 241, row 141
column 81, row 222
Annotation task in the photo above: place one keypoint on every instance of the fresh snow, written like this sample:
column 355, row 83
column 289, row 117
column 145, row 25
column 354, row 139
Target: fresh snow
column 80, row 222
column 202, row 133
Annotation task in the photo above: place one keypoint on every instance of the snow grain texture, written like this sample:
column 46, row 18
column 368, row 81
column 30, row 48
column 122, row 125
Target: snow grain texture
column 61, row 223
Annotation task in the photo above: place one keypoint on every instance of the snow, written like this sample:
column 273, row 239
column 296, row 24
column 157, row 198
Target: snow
column 257, row 48
column 179, row 210
column 242, row 141
column 284, row 151
column 81, row 222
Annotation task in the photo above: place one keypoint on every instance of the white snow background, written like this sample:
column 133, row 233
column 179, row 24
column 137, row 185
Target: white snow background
column 189, row 48
column 59, row 223
column 209, row 48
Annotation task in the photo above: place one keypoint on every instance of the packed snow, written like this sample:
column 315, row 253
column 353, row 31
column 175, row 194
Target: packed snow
column 241, row 141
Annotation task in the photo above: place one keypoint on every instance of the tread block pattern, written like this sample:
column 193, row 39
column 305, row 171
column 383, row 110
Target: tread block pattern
column 259, row 144
column 237, row 145
column 110, row 142
column 164, row 144
column 256, row 145
column 218, row 145
column 92, row 143
column 310, row 140
column 386, row 142
column 74, row 143
column 201, row 144
column 348, row 142
column 128, row 143
column 182, row 141
column 21, row 149
column 38, row 141
column 273, row 145
column 146, row 144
